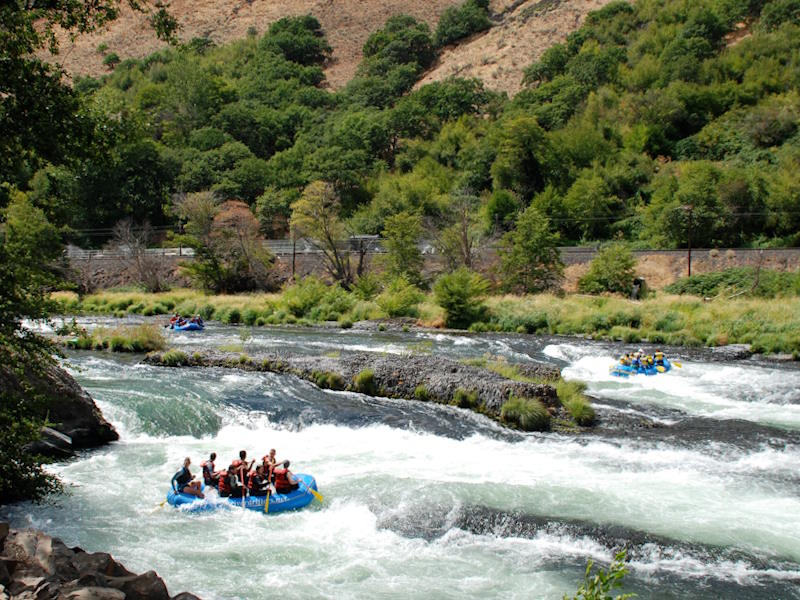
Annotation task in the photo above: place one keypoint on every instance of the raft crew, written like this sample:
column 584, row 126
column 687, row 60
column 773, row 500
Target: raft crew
column 640, row 360
column 239, row 480
column 183, row 481
column 178, row 321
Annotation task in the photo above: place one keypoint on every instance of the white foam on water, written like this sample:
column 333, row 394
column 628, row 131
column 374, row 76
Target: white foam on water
column 750, row 392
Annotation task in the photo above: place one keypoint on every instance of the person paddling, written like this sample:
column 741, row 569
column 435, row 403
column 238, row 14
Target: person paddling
column 210, row 476
column 259, row 482
column 285, row 481
column 183, row 481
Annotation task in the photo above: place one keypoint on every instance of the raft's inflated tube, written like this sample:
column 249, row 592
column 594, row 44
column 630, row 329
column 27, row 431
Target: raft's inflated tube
column 277, row 502
column 628, row 370
column 188, row 327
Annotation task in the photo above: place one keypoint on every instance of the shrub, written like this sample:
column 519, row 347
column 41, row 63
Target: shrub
column 400, row 298
column 301, row 297
column 233, row 316
column 529, row 414
column 364, row 382
column 464, row 399
column 459, row 22
column 366, row 287
column 461, row 295
column 111, row 60
column 612, row 270
column 746, row 281
column 174, row 358
column 571, row 395
column 311, row 298
column 250, row 316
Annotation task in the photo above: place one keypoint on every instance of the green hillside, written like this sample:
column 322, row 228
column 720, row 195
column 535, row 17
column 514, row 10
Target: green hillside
column 649, row 123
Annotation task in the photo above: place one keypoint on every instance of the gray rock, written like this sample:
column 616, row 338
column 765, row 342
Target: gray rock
column 98, row 562
column 185, row 596
column 148, row 586
column 94, row 593
column 3, row 533
column 732, row 352
column 5, row 573
column 35, row 566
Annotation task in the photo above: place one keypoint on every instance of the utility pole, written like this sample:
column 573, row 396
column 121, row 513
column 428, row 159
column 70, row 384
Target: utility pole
column 689, row 208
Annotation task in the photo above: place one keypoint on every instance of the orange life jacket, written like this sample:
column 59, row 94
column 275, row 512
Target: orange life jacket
column 224, row 488
column 282, row 482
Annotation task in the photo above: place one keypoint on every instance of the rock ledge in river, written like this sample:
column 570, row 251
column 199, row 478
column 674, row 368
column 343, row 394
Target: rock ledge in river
column 393, row 376
column 34, row 565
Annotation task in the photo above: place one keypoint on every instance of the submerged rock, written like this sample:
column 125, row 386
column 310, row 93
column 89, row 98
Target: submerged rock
column 35, row 565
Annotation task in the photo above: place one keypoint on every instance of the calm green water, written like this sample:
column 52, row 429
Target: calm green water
column 434, row 502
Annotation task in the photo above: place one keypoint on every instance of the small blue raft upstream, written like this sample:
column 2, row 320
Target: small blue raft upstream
column 299, row 498
column 626, row 370
column 188, row 327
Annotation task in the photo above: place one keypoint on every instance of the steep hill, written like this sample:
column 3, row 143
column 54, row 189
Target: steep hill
column 522, row 30
column 347, row 24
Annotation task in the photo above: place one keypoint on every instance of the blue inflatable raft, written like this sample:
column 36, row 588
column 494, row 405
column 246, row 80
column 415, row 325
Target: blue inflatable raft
column 188, row 327
column 626, row 370
column 277, row 502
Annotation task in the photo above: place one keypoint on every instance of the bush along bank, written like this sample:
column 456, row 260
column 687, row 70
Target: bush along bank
column 416, row 377
column 767, row 325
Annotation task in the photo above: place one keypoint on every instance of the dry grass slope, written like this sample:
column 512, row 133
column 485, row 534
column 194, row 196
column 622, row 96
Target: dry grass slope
column 522, row 31
column 347, row 24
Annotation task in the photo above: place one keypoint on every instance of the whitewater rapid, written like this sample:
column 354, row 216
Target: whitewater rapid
column 428, row 501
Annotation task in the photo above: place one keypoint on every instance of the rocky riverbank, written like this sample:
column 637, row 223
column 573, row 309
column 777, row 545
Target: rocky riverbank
column 35, row 566
column 416, row 377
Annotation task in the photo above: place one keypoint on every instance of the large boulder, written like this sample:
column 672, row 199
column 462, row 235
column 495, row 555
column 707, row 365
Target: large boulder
column 75, row 421
column 36, row 566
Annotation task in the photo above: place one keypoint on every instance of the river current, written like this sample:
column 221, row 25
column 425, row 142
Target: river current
column 694, row 471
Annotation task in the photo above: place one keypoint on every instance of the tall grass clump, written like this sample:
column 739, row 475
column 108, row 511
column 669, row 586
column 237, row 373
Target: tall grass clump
column 571, row 395
column 528, row 414
column 328, row 380
column 364, row 382
column 174, row 358
column 465, row 399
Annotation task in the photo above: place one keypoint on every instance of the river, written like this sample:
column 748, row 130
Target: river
column 696, row 471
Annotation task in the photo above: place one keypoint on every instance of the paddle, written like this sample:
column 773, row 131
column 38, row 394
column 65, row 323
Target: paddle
column 266, row 501
column 316, row 494
column 676, row 363
column 661, row 369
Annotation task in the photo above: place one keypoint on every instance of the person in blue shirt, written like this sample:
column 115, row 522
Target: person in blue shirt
column 183, row 481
